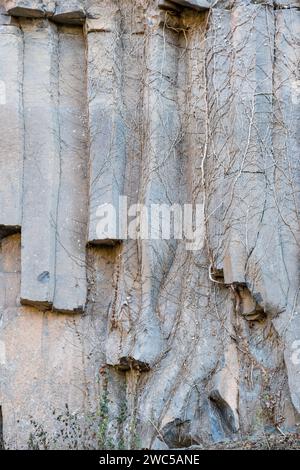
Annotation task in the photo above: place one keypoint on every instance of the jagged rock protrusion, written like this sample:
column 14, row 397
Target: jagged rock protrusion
column 11, row 127
column 106, row 125
column 30, row 8
column 54, row 193
column 194, row 4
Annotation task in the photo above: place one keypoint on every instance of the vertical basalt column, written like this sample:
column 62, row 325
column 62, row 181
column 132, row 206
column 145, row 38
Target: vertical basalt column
column 126, row 304
column 286, row 143
column 218, row 129
column 42, row 162
column 70, row 267
column 246, row 159
column 161, row 178
column 134, row 331
column 107, row 129
column 11, row 126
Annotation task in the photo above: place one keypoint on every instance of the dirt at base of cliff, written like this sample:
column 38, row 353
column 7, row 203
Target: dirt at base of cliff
column 264, row 442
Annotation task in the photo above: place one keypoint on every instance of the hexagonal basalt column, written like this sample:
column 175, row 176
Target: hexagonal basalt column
column 30, row 8
column 11, row 126
column 61, row 11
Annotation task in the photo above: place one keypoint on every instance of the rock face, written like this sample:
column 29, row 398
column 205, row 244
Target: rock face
column 111, row 335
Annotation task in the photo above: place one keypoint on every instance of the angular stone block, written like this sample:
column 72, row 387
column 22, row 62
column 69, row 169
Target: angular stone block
column 42, row 164
column 30, row 8
column 106, row 125
column 225, row 389
column 70, row 269
column 218, row 73
column 69, row 12
column 11, row 129
column 55, row 173
column 195, row 4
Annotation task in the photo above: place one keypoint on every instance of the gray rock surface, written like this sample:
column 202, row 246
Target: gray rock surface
column 195, row 4
column 41, row 164
column 11, row 128
column 162, row 104
column 106, row 124
column 31, row 9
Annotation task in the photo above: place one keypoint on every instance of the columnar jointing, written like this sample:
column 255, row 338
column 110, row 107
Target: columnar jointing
column 54, row 199
column 161, row 170
column 286, row 144
column 45, row 98
column 199, row 5
column 253, row 165
column 106, row 126
column 11, row 126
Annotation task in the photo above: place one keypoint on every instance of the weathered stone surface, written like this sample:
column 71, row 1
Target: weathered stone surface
column 106, row 125
column 136, row 327
column 249, row 158
column 61, row 11
column 71, row 11
column 177, row 347
column 70, row 291
column 196, row 4
column 11, row 128
column 286, row 144
column 54, row 266
column 30, row 8
column 45, row 364
column 42, row 163
column 224, row 391
column 218, row 132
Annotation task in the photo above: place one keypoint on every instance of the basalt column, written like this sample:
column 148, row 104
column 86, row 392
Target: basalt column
column 106, row 124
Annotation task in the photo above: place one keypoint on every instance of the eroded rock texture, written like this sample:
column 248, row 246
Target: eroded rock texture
column 109, row 342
